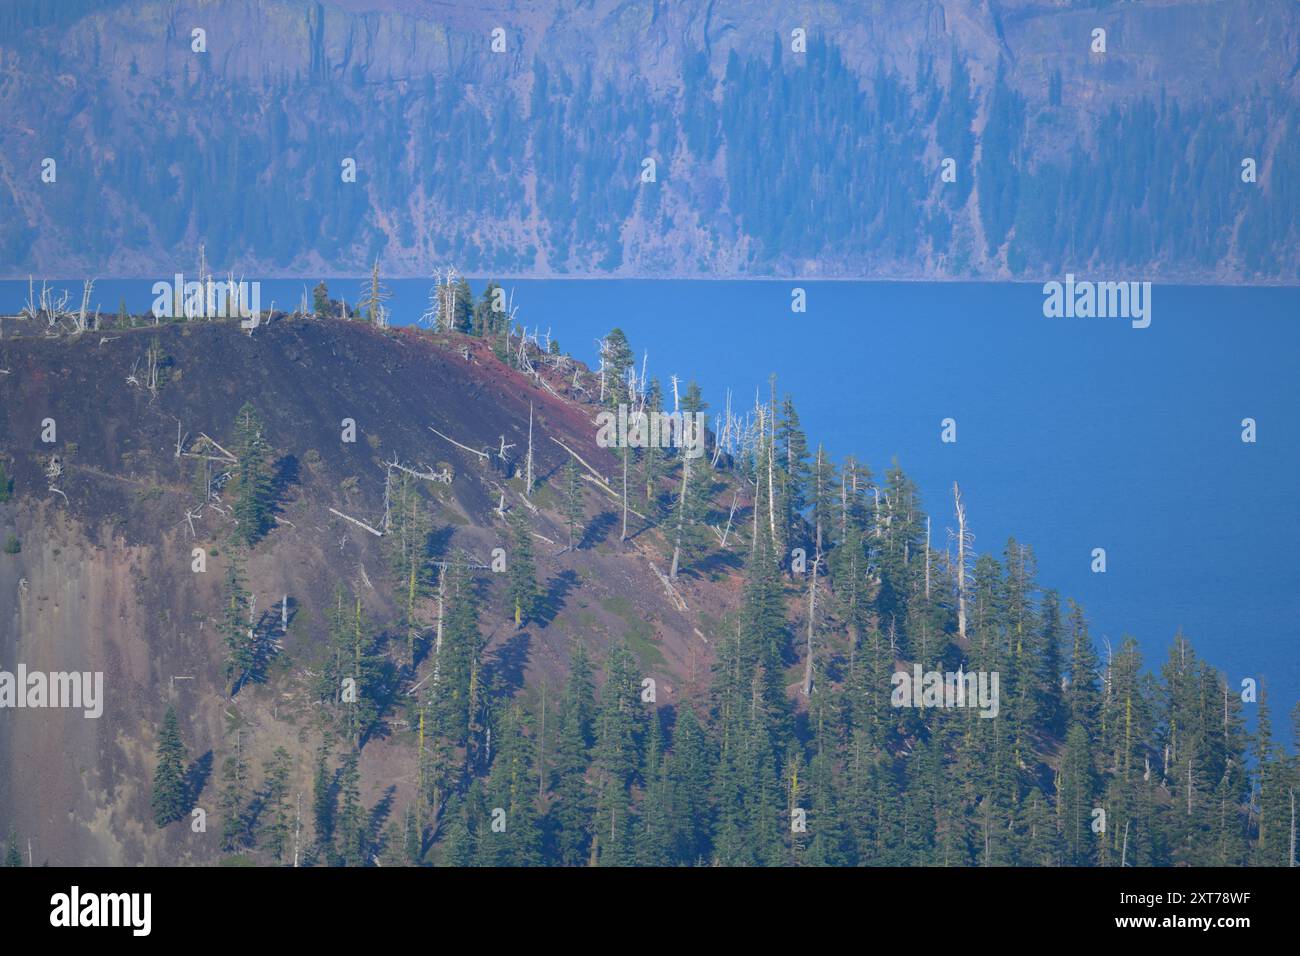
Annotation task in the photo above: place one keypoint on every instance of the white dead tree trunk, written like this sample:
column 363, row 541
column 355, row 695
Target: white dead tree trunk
column 812, row 621
column 30, row 310
column 758, row 478
column 437, row 640
column 725, row 532
column 681, row 516
column 151, row 375
column 360, row 524
column 600, row 354
column 812, row 584
column 771, row 470
column 481, row 454
column 927, row 557
column 79, row 323
column 373, row 298
column 962, row 542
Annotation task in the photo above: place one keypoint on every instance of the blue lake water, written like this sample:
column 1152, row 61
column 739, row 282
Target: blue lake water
column 1072, row 434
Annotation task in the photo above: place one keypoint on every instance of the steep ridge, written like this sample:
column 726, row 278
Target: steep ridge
column 104, row 579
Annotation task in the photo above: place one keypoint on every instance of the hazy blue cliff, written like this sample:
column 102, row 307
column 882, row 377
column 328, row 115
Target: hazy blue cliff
column 771, row 155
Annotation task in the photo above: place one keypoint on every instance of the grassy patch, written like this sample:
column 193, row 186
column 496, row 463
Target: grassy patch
column 639, row 634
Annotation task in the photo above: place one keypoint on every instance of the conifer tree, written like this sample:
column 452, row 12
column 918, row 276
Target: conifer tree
column 654, row 830
column 275, row 803
column 231, row 801
column 1076, row 797
column 617, row 757
column 236, row 629
column 321, row 300
column 1082, row 698
column 792, row 474
column 170, row 790
column 252, row 483
column 573, row 506
column 511, row 787
column 407, row 539
column 1272, row 845
column 324, row 803
column 618, row 358
column 462, row 307
column 457, row 665
column 522, row 570
column 571, row 814
column 13, row 858
column 353, row 840
column 691, row 767
column 695, row 490
column 487, row 320
column 652, row 458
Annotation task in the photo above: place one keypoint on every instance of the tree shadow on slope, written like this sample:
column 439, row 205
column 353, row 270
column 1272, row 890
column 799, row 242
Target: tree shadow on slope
column 552, row 601
column 597, row 530
column 196, row 778
column 510, row 661
column 286, row 476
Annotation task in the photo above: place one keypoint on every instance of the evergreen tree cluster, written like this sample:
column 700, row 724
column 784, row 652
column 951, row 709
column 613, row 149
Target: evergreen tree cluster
column 796, row 752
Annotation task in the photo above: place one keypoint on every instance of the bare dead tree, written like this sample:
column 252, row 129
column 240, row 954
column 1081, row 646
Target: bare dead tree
column 153, row 354
column 374, row 297
column 812, row 621
column 481, row 454
column 927, row 557
column 725, row 532
column 440, row 314
column 812, row 584
column 681, row 516
column 30, row 310
column 428, row 474
column 357, row 522
column 965, row 548
column 758, row 478
column 771, row 465
column 601, row 350
column 79, row 320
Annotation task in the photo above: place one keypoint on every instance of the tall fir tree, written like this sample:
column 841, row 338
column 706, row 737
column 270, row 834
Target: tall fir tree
column 170, row 799
column 253, row 481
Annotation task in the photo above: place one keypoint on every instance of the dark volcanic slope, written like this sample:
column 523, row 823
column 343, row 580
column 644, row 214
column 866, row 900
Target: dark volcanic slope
column 104, row 582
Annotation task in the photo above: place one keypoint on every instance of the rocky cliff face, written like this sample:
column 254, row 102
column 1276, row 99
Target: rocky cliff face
column 769, row 157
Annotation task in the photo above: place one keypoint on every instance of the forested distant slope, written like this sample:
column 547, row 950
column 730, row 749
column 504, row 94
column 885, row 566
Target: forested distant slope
column 771, row 154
